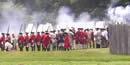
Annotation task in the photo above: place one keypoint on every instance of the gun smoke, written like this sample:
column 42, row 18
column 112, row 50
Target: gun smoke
column 118, row 14
column 15, row 15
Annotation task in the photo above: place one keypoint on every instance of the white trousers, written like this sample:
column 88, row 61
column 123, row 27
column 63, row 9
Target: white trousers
column 9, row 46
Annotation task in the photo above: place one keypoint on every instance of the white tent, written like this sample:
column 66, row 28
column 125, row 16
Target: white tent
column 29, row 27
column 40, row 28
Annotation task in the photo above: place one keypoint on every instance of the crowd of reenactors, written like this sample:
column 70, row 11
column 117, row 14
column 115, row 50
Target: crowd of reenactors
column 55, row 40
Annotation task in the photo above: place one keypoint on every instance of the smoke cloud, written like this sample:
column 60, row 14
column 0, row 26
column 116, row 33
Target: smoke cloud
column 67, row 19
column 13, row 15
column 16, row 15
column 118, row 14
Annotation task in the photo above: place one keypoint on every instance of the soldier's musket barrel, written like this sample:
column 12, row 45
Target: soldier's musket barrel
column 32, row 28
column 48, row 29
column 8, row 28
column 20, row 28
column 24, row 28
column 37, row 27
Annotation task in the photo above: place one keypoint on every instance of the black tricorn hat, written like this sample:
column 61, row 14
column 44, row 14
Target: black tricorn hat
column 47, row 33
column 42, row 32
column 38, row 32
column 32, row 32
column 20, row 33
column 7, row 34
column 2, row 33
column 80, row 28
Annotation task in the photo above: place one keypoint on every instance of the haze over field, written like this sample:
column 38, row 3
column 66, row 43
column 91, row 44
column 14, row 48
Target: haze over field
column 15, row 14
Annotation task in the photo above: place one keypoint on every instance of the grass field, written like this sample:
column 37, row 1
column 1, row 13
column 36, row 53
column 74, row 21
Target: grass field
column 75, row 57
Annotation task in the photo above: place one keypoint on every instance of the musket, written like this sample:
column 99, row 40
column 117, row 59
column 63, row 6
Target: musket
column 42, row 28
column 8, row 28
column 37, row 27
column 32, row 28
column 20, row 28
column 24, row 27
column 48, row 28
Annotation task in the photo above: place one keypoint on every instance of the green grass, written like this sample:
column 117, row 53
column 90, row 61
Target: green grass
column 75, row 57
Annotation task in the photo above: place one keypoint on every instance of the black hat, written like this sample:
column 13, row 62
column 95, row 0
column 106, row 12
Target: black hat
column 32, row 32
column 97, row 28
column 2, row 33
column 80, row 28
column 42, row 32
column 47, row 32
column 38, row 32
column 7, row 34
column 20, row 33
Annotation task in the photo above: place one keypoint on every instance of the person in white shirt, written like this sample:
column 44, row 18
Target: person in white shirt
column 14, row 42
column 97, row 35
column 8, row 46
column 104, row 38
column 53, row 40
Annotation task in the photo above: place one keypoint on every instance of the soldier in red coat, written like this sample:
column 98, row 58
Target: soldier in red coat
column 79, row 38
column 32, row 41
column 82, row 39
column 85, row 39
column 46, row 42
column 66, row 42
column 38, row 40
column 42, row 38
column 20, row 41
column 26, row 41
column 8, row 37
column 2, row 42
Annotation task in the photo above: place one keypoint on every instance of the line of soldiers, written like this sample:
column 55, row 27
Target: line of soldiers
column 56, row 40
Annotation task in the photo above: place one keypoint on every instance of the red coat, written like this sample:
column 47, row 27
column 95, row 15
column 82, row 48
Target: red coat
column 85, row 34
column 32, row 39
column 38, row 38
column 46, row 41
column 66, row 42
column 78, row 36
column 42, row 37
column 2, row 40
column 82, row 38
column 8, row 38
column 20, row 40
column 26, row 39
